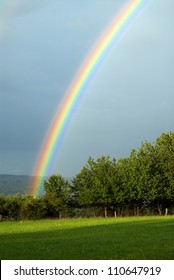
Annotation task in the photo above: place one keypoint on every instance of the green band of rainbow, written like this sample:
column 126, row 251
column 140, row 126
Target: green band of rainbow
column 64, row 112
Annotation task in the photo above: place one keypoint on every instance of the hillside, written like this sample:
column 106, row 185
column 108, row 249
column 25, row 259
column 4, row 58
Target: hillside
column 12, row 184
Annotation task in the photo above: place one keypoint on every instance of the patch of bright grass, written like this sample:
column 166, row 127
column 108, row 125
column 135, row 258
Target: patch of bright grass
column 95, row 238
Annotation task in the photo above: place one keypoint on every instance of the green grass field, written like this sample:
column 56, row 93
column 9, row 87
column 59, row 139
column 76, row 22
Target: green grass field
column 95, row 238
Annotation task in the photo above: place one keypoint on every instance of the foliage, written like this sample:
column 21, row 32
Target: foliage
column 13, row 206
column 129, row 185
column 33, row 208
column 57, row 194
column 142, row 184
column 2, row 205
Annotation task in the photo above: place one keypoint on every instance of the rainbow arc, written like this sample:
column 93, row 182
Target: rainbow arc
column 77, row 88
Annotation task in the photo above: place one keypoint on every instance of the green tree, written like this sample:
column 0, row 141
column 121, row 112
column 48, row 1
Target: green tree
column 82, row 186
column 3, row 210
column 120, row 191
column 164, row 155
column 94, row 184
column 148, row 179
column 33, row 208
column 103, row 181
column 57, row 194
column 13, row 206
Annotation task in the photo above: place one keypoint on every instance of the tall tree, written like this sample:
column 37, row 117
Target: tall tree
column 164, row 155
column 93, row 185
column 57, row 194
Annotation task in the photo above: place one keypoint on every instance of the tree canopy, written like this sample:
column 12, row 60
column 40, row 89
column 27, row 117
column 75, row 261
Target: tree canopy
column 142, row 183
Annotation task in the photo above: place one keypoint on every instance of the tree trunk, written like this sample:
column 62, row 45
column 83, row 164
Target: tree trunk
column 159, row 209
column 166, row 211
column 106, row 212
column 115, row 214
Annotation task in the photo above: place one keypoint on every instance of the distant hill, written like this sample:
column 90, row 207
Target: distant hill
column 12, row 184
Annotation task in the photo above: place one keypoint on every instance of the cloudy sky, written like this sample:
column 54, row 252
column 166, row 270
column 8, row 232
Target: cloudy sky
column 130, row 99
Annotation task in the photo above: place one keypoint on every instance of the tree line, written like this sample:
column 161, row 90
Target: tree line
column 141, row 184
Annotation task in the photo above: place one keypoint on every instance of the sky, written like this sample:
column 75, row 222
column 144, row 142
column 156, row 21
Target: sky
column 129, row 101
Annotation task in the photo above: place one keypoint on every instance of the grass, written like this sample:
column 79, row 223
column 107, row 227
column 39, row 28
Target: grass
column 96, row 238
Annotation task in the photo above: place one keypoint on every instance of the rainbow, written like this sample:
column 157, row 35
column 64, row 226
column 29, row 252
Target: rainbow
column 77, row 88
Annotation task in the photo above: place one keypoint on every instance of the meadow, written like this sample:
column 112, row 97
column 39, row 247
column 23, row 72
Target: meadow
column 91, row 238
